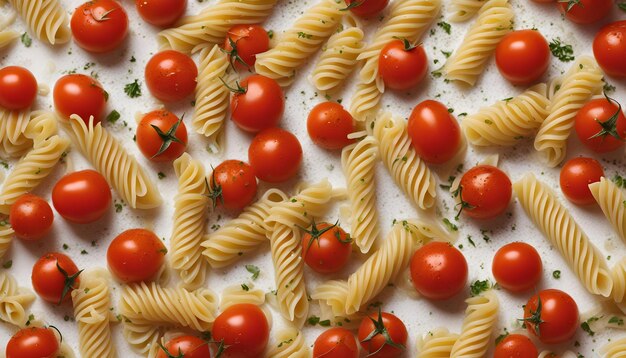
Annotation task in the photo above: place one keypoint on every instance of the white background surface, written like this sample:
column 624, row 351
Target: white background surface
column 419, row 315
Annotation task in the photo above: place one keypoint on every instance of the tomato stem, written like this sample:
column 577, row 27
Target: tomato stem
column 535, row 317
column 238, row 90
column 571, row 4
column 380, row 329
column 316, row 233
column 463, row 204
column 169, row 137
column 167, row 352
column 352, row 5
column 68, row 285
column 408, row 46
column 104, row 16
column 609, row 127
column 234, row 55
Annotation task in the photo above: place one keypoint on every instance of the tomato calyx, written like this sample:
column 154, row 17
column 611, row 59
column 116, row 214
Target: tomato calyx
column 609, row 127
column 238, row 90
column 458, row 193
column 380, row 329
column 571, row 4
column 408, row 46
column 316, row 233
column 234, row 55
column 169, row 354
column 103, row 17
column 215, row 190
column 352, row 5
column 221, row 347
column 535, row 317
column 69, row 281
column 169, row 137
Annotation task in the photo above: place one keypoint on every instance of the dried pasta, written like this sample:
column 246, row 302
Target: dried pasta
column 46, row 19
column 7, row 37
column 463, row 10
column 14, row 300
column 6, row 237
column 332, row 298
column 13, row 142
column 542, row 206
column 618, row 273
column 236, row 294
column 142, row 335
column 611, row 199
column 481, row 316
column 436, row 344
column 615, row 349
column 290, row 344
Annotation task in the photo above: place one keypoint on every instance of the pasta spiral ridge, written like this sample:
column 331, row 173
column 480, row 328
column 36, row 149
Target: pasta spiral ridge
column 611, row 199
column 13, row 141
column 495, row 20
column 301, row 41
column 542, row 206
column 436, row 344
column 579, row 84
column 463, row 10
column 615, row 349
column 109, row 157
column 235, row 294
column 46, row 18
column 290, row 344
column 332, row 298
column 618, row 273
column 481, row 316
column 242, row 234
column 13, row 300
column 142, row 335
column 7, row 37
column 6, row 237
column 406, row 167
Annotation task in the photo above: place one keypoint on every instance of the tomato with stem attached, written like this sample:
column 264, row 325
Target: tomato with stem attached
column 609, row 48
column 326, row 248
column 243, row 43
column 79, row 94
column 552, row 316
column 82, row 197
column 18, row 88
column 171, row 76
column 161, row 12
column 31, row 217
column 435, row 133
column 161, row 136
column 241, row 330
column 136, row 255
column 517, row 267
column 365, row 8
column 576, row 175
column 257, row 103
column 336, row 342
column 99, row 25
column 275, row 155
column 438, row 271
column 329, row 124
column 184, row 346
column 484, row 192
column 523, row 56
column 516, row 345
column 54, row 277
column 402, row 65
column 383, row 335
column 233, row 185
column 601, row 125
column 33, row 342
column 585, row 11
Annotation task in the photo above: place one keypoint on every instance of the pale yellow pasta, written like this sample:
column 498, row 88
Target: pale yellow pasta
column 92, row 313
column 481, row 316
column 436, row 344
column 46, row 19
column 495, row 19
column 618, row 273
column 610, row 199
column 332, row 298
column 241, row 235
column 7, row 37
column 14, row 300
column 406, row 167
column 579, row 84
column 236, row 294
column 542, row 206
column 615, row 349
column 211, row 25
column 6, row 237
column 13, row 141
column 290, row 343
column 463, row 10
column 119, row 168
column 191, row 205
column 508, row 121
column 142, row 335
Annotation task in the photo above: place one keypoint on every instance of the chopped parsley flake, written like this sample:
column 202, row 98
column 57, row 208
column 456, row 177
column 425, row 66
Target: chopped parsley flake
column 563, row 52
column 133, row 89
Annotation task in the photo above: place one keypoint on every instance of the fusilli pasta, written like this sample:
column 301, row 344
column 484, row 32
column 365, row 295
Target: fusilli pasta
column 611, row 200
column 7, row 37
column 618, row 273
column 142, row 335
column 436, row 344
column 481, row 316
column 13, row 300
column 463, row 10
column 13, row 142
column 290, row 344
column 6, row 237
column 46, row 18
column 236, row 294
column 615, row 349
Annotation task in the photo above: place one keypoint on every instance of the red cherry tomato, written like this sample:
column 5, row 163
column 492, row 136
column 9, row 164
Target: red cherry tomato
column 401, row 65
column 517, row 346
column 329, row 124
column 556, row 321
column 585, row 11
column 485, row 192
column 576, row 175
column 136, row 255
column 31, row 217
column 601, row 125
column 523, row 56
column 366, row 8
column 438, row 271
column 243, row 329
column 517, row 267
column 378, row 346
column 53, row 275
column 233, row 184
column 335, row 342
column 171, row 76
column 185, row 346
column 326, row 248
column 257, row 104
column 434, row 132
column 33, row 342
column 18, row 88
column 161, row 12
column 275, row 155
column 248, row 41
column 609, row 48
column 82, row 197
column 81, row 95
column 165, row 144
column 99, row 25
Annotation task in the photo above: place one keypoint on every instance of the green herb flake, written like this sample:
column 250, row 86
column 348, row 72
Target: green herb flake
column 7, row 264
column 450, row 225
column 133, row 89
column 562, row 51
column 113, row 116
column 616, row 320
column 26, row 40
column 479, row 287
column 445, row 26
column 254, row 270
column 556, row 274
column 161, row 175
column 245, row 287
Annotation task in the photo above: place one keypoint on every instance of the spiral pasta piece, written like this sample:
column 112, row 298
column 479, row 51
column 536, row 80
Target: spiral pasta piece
column 242, row 234
column 615, row 349
column 359, row 166
column 119, row 168
column 7, row 37
column 211, row 25
column 332, row 298
column 91, row 311
column 142, row 335
column 236, row 294
column 495, row 20
column 559, row 227
column 579, row 84
column 291, row 344
column 508, row 121
column 407, row 19
column 618, row 273
column 282, row 225
column 463, row 10
column 611, row 200
column 301, row 41
column 46, row 18
column 13, row 141
column 481, row 316
column 406, row 167
column 6, row 237
column 436, row 344
column 14, row 300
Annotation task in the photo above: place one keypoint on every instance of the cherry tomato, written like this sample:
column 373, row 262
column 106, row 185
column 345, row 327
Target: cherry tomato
column 556, row 320
column 33, row 342
column 275, row 155
column 366, row 8
column 82, row 197
column 31, row 217
column 53, row 275
column 171, row 76
column 402, row 65
column 233, row 184
column 378, row 346
column 166, row 143
column 243, row 329
column 585, row 11
column 517, row 267
column 438, row 271
column 99, row 25
column 258, row 103
column 485, row 192
column 335, row 342
column 243, row 43
column 329, row 124
column 576, row 175
column 18, row 88
column 161, row 12
column 185, row 346
column 434, row 132
column 523, row 56
column 135, row 255
column 79, row 94
column 516, row 346
column 326, row 248
column 609, row 48
column 601, row 125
